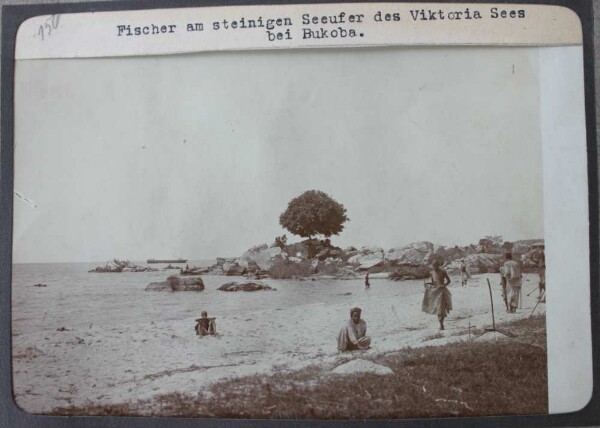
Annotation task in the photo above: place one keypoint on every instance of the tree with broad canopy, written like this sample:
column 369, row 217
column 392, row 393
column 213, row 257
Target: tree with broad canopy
column 314, row 213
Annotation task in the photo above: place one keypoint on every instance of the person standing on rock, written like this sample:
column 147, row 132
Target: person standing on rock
column 353, row 335
column 511, row 270
column 437, row 299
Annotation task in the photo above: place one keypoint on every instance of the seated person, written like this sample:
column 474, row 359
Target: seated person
column 205, row 326
column 353, row 335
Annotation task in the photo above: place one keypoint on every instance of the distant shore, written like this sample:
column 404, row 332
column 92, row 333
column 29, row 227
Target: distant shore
column 320, row 259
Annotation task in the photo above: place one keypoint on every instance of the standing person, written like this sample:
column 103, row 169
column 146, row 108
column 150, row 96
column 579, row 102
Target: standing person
column 437, row 299
column 512, row 274
column 367, row 283
column 503, row 285
column 542, row 274
column 354, row 334
column 464, row 274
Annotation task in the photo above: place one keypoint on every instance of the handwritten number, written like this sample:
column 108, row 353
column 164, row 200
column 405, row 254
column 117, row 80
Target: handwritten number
column 51, row 24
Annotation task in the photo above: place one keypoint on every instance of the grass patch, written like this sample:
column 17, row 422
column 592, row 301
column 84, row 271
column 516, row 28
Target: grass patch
column 461, row 379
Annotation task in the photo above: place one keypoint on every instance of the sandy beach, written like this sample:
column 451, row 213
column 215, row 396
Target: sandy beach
column 105, row 360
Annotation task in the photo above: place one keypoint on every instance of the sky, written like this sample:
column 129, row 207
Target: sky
column 196, row 156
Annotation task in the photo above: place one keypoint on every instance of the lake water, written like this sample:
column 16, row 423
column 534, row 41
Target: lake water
column 76, row 298
column 122, row 343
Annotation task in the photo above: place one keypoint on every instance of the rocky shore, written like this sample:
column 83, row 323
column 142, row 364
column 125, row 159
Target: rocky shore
column 412, row 261
column 175, row 283
column 119, row 266
column 318, row 258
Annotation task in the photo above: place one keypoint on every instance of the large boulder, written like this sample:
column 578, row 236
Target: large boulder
column 193, row 270
column 221, row 261
column 330, row 253
column 244, row 286
column 484, row 263
column 177, row 283
column 233, row 268
column 367, row 258
column 412, row 254
column 362, row 366
column 218, row 267
column 407, row 272
column 260, row 257
column 527, row 245
column 445, row 254
column 333, row 268
column 456, row 252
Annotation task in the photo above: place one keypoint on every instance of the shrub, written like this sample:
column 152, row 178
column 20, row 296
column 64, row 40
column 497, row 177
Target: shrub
column 281, row 241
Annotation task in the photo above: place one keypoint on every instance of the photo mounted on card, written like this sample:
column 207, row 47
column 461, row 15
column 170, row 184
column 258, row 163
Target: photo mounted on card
column 309, row 211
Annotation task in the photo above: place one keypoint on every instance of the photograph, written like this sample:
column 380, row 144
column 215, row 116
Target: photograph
column 334, row 233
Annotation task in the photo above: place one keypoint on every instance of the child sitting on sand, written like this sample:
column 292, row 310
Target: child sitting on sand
column 205, row 326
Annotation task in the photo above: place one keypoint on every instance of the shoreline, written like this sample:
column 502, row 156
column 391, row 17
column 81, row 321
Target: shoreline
column 145, row 360
column 304, row 388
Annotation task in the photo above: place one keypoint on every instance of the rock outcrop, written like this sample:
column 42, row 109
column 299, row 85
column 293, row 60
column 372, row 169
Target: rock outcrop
column 177, row 283
column 362, row 366
column 233, row 268
column 406, row 272
column 367, row 258
column 195, row 270
column 330, row 253
column 314, row 248
column 244, row 286
column 260, row 257
column 527, row 245
column 484, row 263
column 118, row 266
column 412, row 261
column 412, row 254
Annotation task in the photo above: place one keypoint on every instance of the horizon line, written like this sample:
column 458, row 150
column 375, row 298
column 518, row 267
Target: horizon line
column 232, row 257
